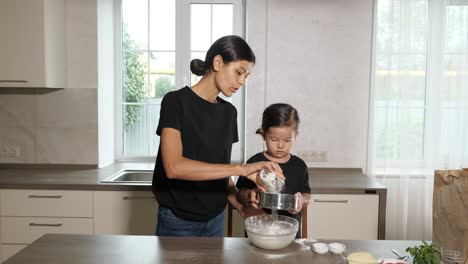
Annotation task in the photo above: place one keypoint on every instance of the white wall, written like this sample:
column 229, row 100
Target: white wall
column 315, row 55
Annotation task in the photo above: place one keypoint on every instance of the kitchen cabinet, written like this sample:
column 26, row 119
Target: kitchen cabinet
column 10, row 250
column 125, row 212
column 26, row 215
column 233, row 222
column 135, row 213
column 343, row 216
column 33, row 46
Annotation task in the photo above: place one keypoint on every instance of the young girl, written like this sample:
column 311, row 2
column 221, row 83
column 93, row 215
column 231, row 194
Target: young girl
column 280, row 124
column 191, row 180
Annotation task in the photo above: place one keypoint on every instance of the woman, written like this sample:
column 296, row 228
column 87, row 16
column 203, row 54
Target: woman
column 191, row 180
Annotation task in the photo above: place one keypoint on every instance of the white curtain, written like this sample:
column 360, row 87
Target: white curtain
column 419, row 105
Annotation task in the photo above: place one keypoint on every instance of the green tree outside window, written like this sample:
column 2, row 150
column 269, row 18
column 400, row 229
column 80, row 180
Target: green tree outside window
column 133, row 79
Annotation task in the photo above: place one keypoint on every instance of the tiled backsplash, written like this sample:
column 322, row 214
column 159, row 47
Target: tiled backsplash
column 58, row 126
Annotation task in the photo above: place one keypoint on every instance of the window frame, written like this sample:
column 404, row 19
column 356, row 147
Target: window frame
column 183, row 74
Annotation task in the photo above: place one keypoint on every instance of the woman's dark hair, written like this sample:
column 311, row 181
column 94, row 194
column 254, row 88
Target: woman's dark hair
column 230, row 48
column 279, row 115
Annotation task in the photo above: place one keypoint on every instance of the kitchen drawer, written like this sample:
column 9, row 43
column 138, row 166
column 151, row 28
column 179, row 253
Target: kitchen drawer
column 9, row 251
column 25, row 230
column 48, row 203
column 337, row 216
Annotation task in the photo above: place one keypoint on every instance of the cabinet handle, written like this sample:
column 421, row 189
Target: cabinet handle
column 136, row 198
column 45, row 196
column 36, row 224
column 13, row 81
column 330, row 201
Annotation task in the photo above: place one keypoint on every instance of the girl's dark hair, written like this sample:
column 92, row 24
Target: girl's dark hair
column 230, row 48
column 279, row 115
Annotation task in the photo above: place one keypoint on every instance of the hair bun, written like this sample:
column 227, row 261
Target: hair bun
column 198, row 67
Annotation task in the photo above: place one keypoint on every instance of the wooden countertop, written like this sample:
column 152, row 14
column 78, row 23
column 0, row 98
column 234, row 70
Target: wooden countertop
column 80, row 249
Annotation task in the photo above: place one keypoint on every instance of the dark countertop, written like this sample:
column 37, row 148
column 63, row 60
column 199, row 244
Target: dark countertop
column 321, row 180
column 70, row 179
column 329, row 180
column 80, row 249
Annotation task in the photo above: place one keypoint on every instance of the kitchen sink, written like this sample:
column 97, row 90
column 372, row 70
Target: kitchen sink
column 131, row 176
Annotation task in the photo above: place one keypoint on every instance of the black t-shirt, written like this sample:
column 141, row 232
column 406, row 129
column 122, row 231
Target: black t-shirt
column 208, row 131
column 297, row 179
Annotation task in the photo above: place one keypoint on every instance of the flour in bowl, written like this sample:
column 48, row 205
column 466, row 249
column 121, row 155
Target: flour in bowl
column 273, row 228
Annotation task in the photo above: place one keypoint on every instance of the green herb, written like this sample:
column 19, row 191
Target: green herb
column 424, row 254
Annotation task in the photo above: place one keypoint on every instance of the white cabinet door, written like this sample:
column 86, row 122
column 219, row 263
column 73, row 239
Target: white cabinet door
column 124, row 213
column 33, row 46
column 332, row 216
column 237, row 222
column 238, row 229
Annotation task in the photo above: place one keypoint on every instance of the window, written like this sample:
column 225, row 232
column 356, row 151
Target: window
column 420, row 83
column 158, row 39
column 400, row 85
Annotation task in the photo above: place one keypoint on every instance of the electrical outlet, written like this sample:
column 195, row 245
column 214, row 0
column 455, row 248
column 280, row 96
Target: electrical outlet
column 314, row 156
column 323, row 156
column 9, row 152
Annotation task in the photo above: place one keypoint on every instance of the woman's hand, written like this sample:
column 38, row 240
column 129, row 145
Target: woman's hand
column 300, row 203
column 251, row 171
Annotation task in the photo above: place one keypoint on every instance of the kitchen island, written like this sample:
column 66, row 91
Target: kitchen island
column 80, row 249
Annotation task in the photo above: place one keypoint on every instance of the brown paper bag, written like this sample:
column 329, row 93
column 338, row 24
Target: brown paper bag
column 450, row 210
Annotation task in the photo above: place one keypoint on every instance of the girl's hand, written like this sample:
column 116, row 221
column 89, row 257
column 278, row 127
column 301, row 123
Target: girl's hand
column 300, row 203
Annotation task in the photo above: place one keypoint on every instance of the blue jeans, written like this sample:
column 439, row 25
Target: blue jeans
column 171, row 225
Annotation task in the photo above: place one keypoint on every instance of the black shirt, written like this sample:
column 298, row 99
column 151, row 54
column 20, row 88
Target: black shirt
column 208, row 131
column 297, row 179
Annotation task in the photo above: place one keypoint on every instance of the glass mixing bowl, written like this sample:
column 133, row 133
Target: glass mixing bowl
column 271, row 231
